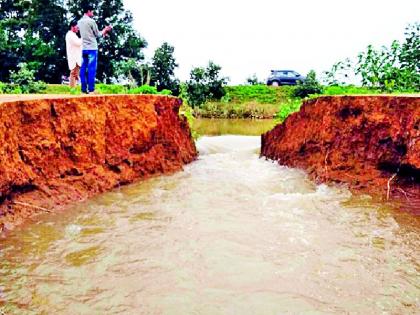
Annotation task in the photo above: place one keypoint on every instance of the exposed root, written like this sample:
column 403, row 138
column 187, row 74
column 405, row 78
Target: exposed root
column 405, row 194
column 325, row 161
column 389, row 186
column 31, row 206
column 350, row 176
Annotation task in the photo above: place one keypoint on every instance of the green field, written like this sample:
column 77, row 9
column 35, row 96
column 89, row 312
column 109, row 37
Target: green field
column 243, row 101
column 261, row 101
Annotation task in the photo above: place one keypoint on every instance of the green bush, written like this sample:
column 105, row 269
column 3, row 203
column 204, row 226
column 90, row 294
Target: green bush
column 308, row 87
column 2, row 88
column 147, row 89
column 287, row 108
column 11, row 89
column 165, row 92
column 144, row 89
column 25, row 80
column 111, row 89
column 205, row 84
column 394, row 68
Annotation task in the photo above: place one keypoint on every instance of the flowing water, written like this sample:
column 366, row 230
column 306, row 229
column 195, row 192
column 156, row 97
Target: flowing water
column 231, row 234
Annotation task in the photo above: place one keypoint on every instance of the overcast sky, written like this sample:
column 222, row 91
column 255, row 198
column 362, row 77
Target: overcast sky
column 248, row 36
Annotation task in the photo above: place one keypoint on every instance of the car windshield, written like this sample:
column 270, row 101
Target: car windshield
column 285, row 73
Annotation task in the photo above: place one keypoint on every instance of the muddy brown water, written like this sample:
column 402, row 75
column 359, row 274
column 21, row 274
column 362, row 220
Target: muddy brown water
column 231, row 234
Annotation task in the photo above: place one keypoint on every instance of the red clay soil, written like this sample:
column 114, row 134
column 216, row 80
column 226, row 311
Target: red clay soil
column 370, row 143
column 57, row 150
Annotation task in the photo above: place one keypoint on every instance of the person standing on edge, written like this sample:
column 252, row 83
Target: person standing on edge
column 89, row 32
column 74, row 53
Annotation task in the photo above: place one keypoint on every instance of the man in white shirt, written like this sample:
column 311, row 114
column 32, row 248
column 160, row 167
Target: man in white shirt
column 74, row 53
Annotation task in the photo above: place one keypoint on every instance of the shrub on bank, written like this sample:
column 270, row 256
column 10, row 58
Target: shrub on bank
column 308, row 87
column 147, row 89
column 24, row 80
column 4, row 88
column 111, row 89
column 287, row 108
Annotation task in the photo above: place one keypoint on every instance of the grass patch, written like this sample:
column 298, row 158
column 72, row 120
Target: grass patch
column 260, row 101
column 249, row 109
column 247, row 101
column 58, row 89
column 349, row 90
column 261, row 94
column 291, row 106
column 99, row 88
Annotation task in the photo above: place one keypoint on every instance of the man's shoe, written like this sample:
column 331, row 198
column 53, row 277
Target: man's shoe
column 93, row 93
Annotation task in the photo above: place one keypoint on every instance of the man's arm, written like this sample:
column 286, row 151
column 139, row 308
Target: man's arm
column 100, row 33
column 95, row 29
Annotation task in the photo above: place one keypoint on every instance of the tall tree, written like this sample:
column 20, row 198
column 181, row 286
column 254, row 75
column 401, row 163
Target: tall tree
column 13, row 15
column 393, row 68
column 33, row 31
column 44, row 43
column 410, row 55
column 205, row 84
column 163, row 67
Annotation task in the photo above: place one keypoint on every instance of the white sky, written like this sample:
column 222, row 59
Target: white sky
column 248, row 36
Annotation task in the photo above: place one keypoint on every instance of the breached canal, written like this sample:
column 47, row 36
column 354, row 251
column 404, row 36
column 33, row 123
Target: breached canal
column 230, row 234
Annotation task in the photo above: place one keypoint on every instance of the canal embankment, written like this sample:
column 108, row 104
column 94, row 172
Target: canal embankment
column 55, row 150
column 370, row 143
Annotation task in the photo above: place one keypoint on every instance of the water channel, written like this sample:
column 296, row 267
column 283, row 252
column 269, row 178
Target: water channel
column 231, row 234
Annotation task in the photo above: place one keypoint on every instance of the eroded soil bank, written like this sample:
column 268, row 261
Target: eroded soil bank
column 57, row 150
column 370, row 143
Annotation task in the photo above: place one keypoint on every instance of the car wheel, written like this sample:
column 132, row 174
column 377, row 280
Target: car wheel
column 275, row 83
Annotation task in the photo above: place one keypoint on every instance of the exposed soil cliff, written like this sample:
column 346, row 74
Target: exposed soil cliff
column 57, row 150
column 371, row 143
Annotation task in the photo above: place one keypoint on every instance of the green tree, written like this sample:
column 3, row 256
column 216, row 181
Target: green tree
column 379, row 67
column 205, row 84
column 128, row 71
column 163, row 67
column 395, row 67
column 44, row 45
column 13, row 22
column 253, row 80
column 339, row 73
column 309, row 86
column 24, row 79
column 33, row 32
column 409, row 57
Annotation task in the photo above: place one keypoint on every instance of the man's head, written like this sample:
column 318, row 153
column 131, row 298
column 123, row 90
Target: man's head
column 73, row 26
column 88, row 10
